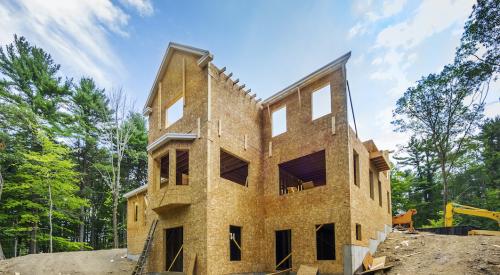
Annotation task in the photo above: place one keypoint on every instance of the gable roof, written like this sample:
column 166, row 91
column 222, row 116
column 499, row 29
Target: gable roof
column 204, row 55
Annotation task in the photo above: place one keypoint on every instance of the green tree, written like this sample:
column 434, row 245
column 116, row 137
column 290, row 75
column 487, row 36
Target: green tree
column 45, row 192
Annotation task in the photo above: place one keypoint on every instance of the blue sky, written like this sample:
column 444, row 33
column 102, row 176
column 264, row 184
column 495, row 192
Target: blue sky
column 266, row 44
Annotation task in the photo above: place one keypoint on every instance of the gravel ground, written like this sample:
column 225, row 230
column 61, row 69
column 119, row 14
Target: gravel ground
column 427, row 253
column 96, row 262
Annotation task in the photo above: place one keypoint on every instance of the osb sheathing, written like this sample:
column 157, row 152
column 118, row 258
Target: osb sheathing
column 302, row 211
column 226, row 116
column 364, row 210
column 237, row 115
column 192, row 217
column 136, row 229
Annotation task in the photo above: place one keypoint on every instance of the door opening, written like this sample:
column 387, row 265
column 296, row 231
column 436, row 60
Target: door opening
column 174, row 249
column 283, row 249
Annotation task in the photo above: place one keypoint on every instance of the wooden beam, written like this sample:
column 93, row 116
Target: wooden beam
column 245, row 144
column 160, row 112
column 333, row 125
column 222, row 70
column 300, row 100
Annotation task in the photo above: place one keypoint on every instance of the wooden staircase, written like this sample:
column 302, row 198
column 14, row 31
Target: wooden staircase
column 145, row 251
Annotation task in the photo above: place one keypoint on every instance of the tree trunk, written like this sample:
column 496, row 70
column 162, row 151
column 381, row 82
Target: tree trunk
column 33, row 248
column 50, row 219
column 2, row 256
column 15, row 246
column 445, row 186
column 82, row 226
column 115, row 220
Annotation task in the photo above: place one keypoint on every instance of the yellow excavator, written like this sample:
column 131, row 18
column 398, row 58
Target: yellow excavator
column 452, row 208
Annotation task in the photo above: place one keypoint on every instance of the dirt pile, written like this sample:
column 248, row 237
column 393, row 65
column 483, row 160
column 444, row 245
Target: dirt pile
column 97, row 262
column 427, row 253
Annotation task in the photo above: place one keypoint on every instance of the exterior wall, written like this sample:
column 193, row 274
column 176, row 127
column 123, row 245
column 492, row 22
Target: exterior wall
column 301, row 211
column 228, row 202
column 372, row 221
column 136, row 230
column 193, row 217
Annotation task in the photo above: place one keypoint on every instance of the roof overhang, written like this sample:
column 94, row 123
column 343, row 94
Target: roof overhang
column 330, row 67
column 204, row 58
column 169, row 137
column 136, row 191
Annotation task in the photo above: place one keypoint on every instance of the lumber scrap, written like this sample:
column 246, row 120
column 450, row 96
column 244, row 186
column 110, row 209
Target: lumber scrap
column 307, row 270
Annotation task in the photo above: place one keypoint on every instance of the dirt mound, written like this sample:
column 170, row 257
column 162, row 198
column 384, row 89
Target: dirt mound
column 98, row 262
column 427, row 253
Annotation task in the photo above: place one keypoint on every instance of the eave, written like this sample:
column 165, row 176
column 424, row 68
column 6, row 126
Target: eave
column 169, row 137
column 136, row 191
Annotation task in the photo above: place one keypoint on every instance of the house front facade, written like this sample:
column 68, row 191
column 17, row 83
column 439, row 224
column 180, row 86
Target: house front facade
column 240, row 185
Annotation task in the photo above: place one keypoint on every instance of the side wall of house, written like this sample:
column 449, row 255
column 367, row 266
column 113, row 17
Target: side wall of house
column 234, row 115
column 302, row 211
column 375, row 218
column 136, row 229
column 183, row 77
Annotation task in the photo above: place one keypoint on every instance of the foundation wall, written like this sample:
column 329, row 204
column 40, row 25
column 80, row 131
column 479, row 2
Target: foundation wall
column 234, row 116
column 302, row 211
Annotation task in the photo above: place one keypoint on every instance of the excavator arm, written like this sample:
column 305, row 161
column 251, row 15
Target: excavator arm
column 452, row 208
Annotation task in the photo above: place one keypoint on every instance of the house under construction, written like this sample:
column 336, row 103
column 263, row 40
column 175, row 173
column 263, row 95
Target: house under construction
column 240, row 185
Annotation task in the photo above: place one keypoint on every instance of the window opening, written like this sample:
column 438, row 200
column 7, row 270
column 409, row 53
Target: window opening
column 233, row 168
column 302, row 173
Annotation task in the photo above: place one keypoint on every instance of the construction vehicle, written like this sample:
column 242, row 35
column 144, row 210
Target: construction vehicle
column 404, row 219
column 452, row 208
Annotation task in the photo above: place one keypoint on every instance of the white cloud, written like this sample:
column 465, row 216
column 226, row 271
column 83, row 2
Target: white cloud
column 144, row 7
column 372, row 14
column 397, row 43
column 431, row 17
column 75, row 33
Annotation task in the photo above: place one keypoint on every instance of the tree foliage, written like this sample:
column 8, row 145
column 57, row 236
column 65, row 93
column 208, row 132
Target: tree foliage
column 53, row 130
column 443, row 113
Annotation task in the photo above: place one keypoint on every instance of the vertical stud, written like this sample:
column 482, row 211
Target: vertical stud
column 220, row 127
column 160, row 111
column 245, row 146
column 270, row 148
column 300, row 99
column 198, row 122
column 184, row 80
column 333, row 125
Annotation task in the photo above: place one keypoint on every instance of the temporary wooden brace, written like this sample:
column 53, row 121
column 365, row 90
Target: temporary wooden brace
column 192, row 263
column 333, row 125
column 270, row 148
column 220, row 128
column 245, row 144
column 198, row 132
column 282, row 261
column 319, row 227
column 236, row 243
column 280, row 271
column 175, row 258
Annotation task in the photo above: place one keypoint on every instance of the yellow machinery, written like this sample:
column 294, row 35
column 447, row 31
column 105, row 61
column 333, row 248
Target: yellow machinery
column 405, row 218
column 473, row 211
